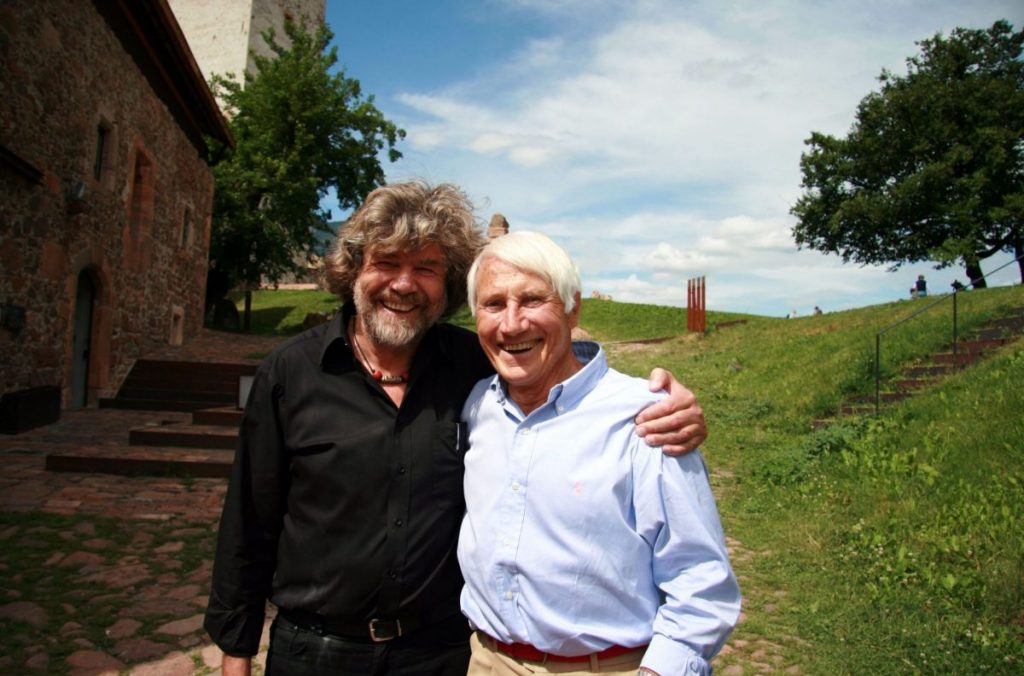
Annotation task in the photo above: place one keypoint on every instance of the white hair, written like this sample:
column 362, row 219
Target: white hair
column 535, row 253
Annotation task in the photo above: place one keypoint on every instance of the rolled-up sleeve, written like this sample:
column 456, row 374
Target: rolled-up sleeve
column 676, row 515
column 250, row 525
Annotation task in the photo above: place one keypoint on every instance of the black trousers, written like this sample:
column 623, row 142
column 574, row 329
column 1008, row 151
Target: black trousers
column 439, row 650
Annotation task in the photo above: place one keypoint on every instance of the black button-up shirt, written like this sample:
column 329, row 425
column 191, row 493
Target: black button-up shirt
column 340, row 503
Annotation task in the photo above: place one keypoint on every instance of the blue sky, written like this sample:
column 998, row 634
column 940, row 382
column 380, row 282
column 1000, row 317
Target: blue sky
column 656, row 140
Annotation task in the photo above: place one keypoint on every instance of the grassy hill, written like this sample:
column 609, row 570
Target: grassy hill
column 884, row 546
column 881, row 546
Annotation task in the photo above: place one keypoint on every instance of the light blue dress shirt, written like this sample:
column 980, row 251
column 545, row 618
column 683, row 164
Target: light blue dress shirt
column 578, row 536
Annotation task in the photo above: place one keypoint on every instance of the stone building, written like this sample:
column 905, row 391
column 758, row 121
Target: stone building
column 224, row 35
column 105, row 196
column 497, row 227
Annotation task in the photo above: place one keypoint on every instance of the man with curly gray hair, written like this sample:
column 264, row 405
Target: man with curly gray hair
column 345, row 500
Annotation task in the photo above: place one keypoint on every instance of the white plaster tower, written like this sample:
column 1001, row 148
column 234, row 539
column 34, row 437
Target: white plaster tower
column 222, row 34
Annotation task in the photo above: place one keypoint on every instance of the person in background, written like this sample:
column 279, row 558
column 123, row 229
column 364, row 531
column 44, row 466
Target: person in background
column 345, row 499
column 921, row 286
column 582, row 551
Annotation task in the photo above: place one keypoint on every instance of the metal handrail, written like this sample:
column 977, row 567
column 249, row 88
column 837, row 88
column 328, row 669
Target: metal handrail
column 940, row 299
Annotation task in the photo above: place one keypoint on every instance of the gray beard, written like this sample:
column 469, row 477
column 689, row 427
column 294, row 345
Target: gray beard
column 390, row 331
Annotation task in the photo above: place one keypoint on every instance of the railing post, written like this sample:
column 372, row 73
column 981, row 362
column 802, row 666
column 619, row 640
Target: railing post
column 956, row 361
column 878, row 372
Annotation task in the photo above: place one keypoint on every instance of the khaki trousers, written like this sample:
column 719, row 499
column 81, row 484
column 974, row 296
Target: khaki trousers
column 487, row 661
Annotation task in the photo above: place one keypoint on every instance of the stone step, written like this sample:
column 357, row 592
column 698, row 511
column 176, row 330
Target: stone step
column 849, row 409
column 972, row 346
column 960, row 358
column 928, row 371
column 183, row 381
column 194, row 394
column 885, row 397
column 992, row 333
column 1013, row 324
column 156, row 404
column 142, row 461
column 185, row 436
column 911, row 383
column 227, row 416
column 201, row 369
column 164, row 385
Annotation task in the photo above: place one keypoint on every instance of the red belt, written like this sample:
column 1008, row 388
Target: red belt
column 525, row 651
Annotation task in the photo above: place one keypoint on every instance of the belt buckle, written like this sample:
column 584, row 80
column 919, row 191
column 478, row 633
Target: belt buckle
column 379, row 630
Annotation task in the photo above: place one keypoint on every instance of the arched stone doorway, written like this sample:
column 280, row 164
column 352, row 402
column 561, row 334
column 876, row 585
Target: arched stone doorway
column 85, row 302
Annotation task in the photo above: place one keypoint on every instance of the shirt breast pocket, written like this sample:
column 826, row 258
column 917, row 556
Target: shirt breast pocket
column 446, row 467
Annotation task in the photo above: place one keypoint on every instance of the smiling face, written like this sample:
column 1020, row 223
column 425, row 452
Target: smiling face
column 400, row 295
column 524, row 330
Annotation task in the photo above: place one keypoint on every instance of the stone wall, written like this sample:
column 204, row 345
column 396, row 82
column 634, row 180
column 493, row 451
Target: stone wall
column 139, row 231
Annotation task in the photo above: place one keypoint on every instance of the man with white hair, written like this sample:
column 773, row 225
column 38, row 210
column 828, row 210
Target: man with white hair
column 582, row 551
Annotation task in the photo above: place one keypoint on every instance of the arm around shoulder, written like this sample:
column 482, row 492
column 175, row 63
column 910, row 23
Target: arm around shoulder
column 676, row 423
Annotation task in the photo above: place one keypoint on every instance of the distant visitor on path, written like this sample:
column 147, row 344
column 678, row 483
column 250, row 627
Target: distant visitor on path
column 582, row 551
column 921, row 287
column 957, row 286
column 817, row 310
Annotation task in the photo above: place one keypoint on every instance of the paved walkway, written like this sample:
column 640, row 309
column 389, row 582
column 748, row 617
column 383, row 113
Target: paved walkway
column 141, row 577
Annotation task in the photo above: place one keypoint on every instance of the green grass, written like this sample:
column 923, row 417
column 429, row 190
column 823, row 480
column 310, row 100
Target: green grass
column 890, row 546
column 608, row 321
column 280, row 312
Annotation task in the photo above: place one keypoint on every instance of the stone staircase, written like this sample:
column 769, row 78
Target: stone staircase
column 159, row 385
column 201, row 447
column 913, row 378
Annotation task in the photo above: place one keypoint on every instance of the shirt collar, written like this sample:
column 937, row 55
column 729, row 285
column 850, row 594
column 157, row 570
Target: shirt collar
column 568, row 393
column 335, row 340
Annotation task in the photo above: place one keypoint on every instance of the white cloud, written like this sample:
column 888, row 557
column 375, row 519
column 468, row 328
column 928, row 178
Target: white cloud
column 657, row 139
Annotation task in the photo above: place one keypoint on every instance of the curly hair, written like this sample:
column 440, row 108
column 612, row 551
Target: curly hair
column 405, row 217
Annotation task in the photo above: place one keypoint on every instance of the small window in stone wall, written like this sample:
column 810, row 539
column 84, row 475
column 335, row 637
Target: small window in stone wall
column 143, row 193
column 186, row 227
column 102, row 140
column 177, row 336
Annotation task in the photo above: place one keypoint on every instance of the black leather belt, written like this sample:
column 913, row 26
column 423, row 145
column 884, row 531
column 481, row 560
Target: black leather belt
column 377, row 630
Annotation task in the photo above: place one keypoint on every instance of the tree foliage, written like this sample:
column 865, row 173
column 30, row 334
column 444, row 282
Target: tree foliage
column 933, row 166
column 299, row 130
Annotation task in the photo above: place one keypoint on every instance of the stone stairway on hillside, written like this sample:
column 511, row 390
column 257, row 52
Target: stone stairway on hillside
column 203, row 447
column 911, row 379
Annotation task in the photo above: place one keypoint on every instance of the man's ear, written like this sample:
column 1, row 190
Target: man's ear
column 574, row 316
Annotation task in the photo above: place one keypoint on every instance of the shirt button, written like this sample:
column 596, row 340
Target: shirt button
column 401, row 469
column 393, row 575
column 398, row 522
column 508, row 595
column 515, row 486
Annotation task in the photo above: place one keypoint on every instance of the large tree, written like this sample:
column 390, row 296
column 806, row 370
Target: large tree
column 299, row 130
column 933, row 166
